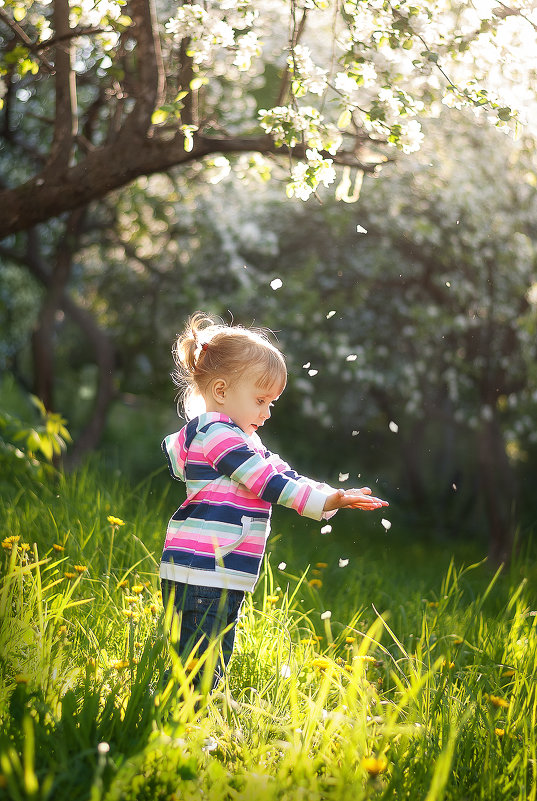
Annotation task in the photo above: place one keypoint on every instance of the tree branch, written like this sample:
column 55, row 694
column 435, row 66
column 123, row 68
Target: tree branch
column 27, row 42
column 149, row 79
column 65, row 121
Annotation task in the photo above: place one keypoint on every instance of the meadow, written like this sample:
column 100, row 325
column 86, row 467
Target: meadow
column 381, row 668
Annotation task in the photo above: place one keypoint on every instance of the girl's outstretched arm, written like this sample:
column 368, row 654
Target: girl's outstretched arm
column 354, row 499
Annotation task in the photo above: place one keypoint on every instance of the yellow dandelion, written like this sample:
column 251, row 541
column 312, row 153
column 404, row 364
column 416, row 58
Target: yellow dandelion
column 69, row 575
column 9, row 542
column 59, row 548
column 191, row 664
column 273, row 599
column 123, row 583
column 448, row 665
column 499, row 732
column 138, row 588
column 507, row 674
column 316, row 572
column 350, row 640
column 129, row 613
column 20, row 678
column 321, row 564
column 498, row 702
column 433, row 604
column 315, row 583
column 24, row 547
column 322, row 663
column 62, row 630
column 147, row 584
column 367, row 658
column 373, row 765
column 159, row 595
column 80, row 568
column 131, row 599
column 115, row 521
column 119, row 664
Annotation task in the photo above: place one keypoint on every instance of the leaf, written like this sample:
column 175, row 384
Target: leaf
column 19, row 13
column 159, row 116
column 198, row 82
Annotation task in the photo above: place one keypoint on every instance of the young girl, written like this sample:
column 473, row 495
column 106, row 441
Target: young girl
column 230, row 378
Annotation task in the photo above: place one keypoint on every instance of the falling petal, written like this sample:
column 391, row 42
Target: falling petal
column 282, row 566
column 305, row 366
column 285, row 671
column 386, row 523
column 343, row 562
column 343, row 476
column 454, row 487
column 326, row 615
column 393, row 427
column 276, row 283
column 361, row 230
column 351, row 357
column 312, row 372
column 326, row 529
column 209, row 744
column 330, row 314
column 355, row 433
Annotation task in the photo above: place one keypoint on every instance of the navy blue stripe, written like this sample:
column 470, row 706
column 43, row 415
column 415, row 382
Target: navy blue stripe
column 217, row 514
column 191, row 431
column 274, row 488
column 231, row 461
column 200, row 472
column 189, row 559
column 239, row 561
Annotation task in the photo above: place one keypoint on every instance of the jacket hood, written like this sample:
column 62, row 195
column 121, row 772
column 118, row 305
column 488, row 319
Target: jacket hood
column 176, row 445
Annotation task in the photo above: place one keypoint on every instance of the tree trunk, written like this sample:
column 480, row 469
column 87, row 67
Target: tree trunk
column 106, row 360
column 498, row 490
column 43, row 334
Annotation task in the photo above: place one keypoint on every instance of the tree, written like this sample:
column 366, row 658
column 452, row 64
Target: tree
column 95, row 95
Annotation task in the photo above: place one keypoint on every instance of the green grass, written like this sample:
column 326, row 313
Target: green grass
column 400, row 675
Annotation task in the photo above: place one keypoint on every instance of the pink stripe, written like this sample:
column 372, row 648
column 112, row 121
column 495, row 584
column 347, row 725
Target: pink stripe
column 252, row 548
column 301, row 498
column 261, row 479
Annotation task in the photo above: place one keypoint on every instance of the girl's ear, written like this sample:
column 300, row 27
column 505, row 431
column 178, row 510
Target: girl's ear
column 218, row 390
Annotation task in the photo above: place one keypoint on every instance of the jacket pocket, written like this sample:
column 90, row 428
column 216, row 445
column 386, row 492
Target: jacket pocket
column 246, row 523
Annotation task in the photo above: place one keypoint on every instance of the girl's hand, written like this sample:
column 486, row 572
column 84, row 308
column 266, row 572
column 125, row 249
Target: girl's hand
column 354, row 499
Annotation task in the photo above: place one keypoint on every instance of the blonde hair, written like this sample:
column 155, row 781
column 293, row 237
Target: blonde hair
column 207, row 349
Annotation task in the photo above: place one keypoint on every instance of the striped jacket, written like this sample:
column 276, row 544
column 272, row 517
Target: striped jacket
column 217, row 536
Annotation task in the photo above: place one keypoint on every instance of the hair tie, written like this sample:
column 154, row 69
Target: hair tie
column 204, row 346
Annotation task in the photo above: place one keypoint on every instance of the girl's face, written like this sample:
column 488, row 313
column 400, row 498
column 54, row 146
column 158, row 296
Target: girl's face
column 245, row 402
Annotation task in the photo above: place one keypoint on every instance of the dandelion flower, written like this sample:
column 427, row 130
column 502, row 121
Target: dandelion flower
column 119, row 664
column 80, row 568
column 69, row 575
column 115, row 521
column 123, row 583
column 131, row 599
column 350, row 640
column 58, row 548
column 499, row 732
column 507, row 674
column 373, row 765
column 273, row 599
column 321, row 663
column 24, row 547
column 498, row 702
column 9, row 542
column 138, row 588
column 321, row 564
column 315, row 583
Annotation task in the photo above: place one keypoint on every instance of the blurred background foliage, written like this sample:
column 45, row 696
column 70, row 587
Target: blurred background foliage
column 408, row 319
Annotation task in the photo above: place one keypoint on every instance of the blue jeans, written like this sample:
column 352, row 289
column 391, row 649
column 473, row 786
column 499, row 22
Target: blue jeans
column 205, row 613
